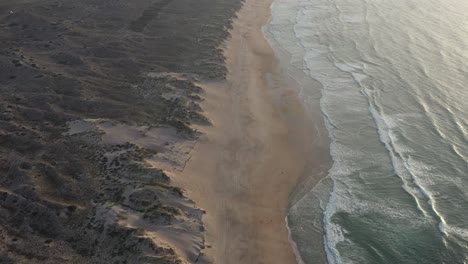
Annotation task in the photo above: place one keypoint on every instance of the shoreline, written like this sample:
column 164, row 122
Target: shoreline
column 247, row 165
column 310, row 95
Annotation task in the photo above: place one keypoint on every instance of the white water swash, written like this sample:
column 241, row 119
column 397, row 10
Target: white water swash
column 394, row 95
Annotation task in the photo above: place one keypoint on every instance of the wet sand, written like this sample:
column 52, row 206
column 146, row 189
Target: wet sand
column 247, row 164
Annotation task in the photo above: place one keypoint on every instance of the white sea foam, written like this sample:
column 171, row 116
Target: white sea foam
column 405, row 168
column 328, row 41
column 293, row 243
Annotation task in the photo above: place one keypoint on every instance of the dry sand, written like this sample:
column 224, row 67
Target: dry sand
column 250, row 160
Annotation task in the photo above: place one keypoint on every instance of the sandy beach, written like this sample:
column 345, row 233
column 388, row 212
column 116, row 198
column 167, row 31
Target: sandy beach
column 247, row 164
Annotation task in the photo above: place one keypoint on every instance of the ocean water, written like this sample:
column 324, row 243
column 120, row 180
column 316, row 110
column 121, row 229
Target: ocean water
column 393, row 83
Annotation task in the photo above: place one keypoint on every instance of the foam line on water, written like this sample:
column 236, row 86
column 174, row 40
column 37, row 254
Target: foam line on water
column 329, row 244
column 331, row 238
column 273, row 41
column 293, row 243
column 400, row 166
column 332, row 235
column 397, row 146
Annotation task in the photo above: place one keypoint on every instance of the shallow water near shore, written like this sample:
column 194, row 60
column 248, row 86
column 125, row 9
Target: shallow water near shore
column 392, row 82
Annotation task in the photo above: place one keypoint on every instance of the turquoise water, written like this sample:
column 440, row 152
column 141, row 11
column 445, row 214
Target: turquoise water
column 393, row 79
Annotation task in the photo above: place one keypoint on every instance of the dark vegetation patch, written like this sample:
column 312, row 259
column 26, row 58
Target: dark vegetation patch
column 67, row 60
column 149, row 14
